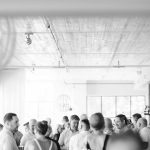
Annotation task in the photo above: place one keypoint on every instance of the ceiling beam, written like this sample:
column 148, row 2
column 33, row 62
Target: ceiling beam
column 76, row 67
column 77, row 53
column 88, row 31
column 75, row 8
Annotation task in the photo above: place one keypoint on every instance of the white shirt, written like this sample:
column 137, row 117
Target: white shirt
column 77, row 142
column 7, row 141
column 65, row 137
column 26, row 137
column 145, row 135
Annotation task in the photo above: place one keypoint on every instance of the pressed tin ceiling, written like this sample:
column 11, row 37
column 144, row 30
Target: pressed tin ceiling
column 82, row 42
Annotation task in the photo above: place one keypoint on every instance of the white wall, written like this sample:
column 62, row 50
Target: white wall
column 116, row 88
column 43, row 89
column 12, row 92
column 109, row 88
column 35, row 94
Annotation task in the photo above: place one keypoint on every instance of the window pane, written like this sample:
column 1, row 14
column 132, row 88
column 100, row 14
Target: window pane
column 137, row 104
column 31, row 110
column 44, row 110
column 108, row 106
column 93, row 105
column 123, row 105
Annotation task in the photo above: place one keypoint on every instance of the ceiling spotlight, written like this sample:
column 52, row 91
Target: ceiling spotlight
column 28, row 38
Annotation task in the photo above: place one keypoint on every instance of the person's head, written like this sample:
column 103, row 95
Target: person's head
column 85, row 125
column 120, row 121
column 67, row 125
column 141, row 123
column 59, row 128
column 41, row 128
column 135, row 118
column 128, row 140
column 108, row 123
column 97, row 121
column 65, row 119
column 1, row 127
column 49, row 129
column 11, row 122
column 26, row 126
column 74, row 122
column 32, row 124
column 83, row 116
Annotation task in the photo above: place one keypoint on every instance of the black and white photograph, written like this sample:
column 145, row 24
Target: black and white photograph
column 74, row 74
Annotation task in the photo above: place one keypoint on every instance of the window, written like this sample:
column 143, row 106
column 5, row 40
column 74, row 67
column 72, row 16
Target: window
column 137, row 104
column 31, row 110
column 108, row 106
column 123, row 105
column 114, row 105
column 94, row 105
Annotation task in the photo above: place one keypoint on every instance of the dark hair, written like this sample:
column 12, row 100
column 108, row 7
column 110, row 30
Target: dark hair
column 122, row 118
column 137, row 116
column 144, row 121
column 9, row 117
column 86, row 122
column 45, row 122
column 26, row 124
column 129, row 135
column 41, row 127
column 97, row 121
column 1, row 126
column 65, row 118
column 74, row 117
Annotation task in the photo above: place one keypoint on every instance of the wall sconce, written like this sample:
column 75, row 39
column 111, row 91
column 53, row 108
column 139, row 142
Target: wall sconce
column 64, row 103
column 28, row 38
column 147, row 110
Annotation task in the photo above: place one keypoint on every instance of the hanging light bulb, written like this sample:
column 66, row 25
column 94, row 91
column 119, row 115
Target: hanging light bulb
column 147, row 110
column 28, row 38
column 29, row 31
column 141, row 79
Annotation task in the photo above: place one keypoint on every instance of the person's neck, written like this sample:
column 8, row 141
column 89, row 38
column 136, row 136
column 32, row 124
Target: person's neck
column 123, row 126
column 73, row 130
column 7, row 128
column 142, row 127
column 98, row 132
column 108, row 128
column 40, row 137
column 31, row 132
column 85, row 129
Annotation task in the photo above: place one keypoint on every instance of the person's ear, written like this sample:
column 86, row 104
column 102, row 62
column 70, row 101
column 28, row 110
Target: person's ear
column 7, row 123
column 124, row 122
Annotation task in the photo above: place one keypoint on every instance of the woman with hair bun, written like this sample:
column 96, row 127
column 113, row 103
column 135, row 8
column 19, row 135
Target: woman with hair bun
column 41, row 142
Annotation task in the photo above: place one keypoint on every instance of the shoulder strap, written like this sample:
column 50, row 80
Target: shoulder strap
column 88, row 146
column 36, row 141
column 50, row 148
column 105, row 142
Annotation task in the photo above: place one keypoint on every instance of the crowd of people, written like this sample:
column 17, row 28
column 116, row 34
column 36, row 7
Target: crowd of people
column 77, row 133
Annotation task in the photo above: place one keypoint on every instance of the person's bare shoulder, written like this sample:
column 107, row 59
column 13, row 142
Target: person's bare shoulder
column 90, row 136
column 30, row 145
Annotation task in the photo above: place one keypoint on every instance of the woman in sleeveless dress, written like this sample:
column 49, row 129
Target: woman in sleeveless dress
column 97, row 140
column 41, row 142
